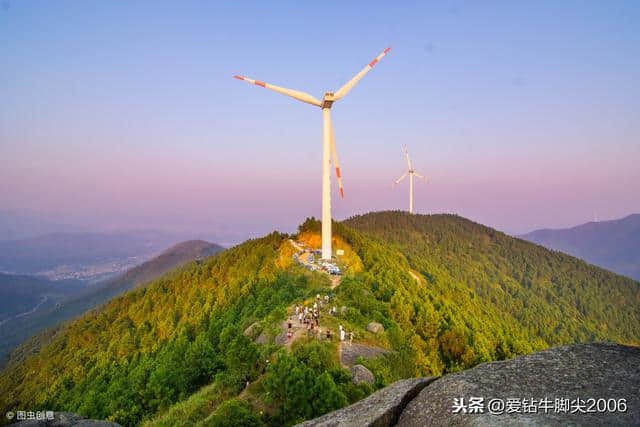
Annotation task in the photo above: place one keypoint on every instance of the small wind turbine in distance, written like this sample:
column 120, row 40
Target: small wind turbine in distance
column 411, row 173
column 328, row 143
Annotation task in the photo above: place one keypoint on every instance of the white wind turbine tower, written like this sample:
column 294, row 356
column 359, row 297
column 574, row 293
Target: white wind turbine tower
column 328, row 143
column 411, row 173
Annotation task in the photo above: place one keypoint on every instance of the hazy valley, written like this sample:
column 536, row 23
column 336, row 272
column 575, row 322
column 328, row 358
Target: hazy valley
column 31, row 304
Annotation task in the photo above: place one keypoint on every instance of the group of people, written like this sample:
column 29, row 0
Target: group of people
column 310, row 317
column 344, row 334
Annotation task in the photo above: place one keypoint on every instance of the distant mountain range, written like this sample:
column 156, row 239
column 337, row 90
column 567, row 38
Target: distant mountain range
column 72, row 252
column 175, row 256
column 68, row 299
column 17, row 224
column 614, row 245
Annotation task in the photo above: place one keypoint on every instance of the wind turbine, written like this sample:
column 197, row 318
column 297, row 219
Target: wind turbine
column 411, row 173
column 328, row 143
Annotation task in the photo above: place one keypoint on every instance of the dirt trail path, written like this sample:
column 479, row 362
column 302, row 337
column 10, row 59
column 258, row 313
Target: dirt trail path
column 415, row 276
column 300, row 330
column 335, row 281
column 302, row 258
column 296, row 246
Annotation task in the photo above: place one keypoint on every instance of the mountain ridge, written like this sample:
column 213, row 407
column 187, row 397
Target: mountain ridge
column 612, row 244
column 92, row 297
column 631, row 217
column 35, row 254
column 484, row 296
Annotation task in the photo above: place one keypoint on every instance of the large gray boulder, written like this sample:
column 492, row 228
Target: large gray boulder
column 360, row 374
column 349, row 352
column 66, row 419
column 381, row 408
column 263, row 338
column 577, row 372
column 375, row 327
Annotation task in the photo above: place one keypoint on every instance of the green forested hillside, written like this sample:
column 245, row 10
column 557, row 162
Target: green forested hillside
column 77, row 299
column 450, row 294
column 550, row 295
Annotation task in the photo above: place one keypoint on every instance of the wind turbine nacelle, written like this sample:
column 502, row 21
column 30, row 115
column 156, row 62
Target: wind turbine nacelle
column 327, row 100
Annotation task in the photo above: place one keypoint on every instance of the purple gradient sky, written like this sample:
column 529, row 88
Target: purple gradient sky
column 124, row 115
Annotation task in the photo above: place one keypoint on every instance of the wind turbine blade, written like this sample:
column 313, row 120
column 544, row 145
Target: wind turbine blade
column 351, row 83
column 406, row 154
column 420, row 176
column 401, row 178
column 334, row 154
column 300, row 96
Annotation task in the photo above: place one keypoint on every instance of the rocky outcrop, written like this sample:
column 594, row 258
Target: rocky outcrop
column 263, row 338
column 349, row 353
column 253, row 330
column 360, row 374
column 375, row 327
column 550, row 387
column 382, row 408
column 579, row 372
column 66, row 419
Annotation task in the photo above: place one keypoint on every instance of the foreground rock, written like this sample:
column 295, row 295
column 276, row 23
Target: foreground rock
column 382, row 408
column 561, row 381
column 66, row 419
column 360, row 374
column 598, row 371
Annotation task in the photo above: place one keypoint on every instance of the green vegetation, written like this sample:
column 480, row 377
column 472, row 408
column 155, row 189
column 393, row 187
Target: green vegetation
column 195, row 409
column 156, row 345
column 450, row 294
column 308, row 383
column 233, row 413
column 551, row 297
column 68, row 299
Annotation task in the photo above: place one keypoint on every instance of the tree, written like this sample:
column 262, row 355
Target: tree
column 233, row 413
column 325, row 395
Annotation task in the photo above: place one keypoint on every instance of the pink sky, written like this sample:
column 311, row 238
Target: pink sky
column 522, row 117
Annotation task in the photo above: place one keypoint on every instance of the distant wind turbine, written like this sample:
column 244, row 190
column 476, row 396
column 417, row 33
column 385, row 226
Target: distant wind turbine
column 411, row 173
column 328, row 143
